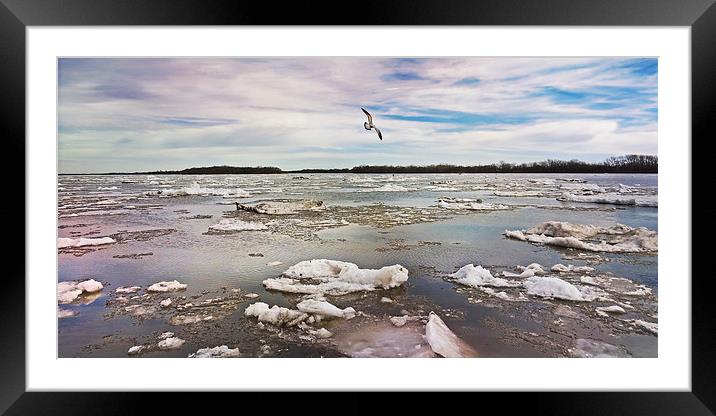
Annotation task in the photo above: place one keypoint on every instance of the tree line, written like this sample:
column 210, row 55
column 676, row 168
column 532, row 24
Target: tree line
column 616, row 164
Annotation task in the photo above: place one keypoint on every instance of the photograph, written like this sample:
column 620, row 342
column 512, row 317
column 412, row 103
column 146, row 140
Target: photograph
column 357, row 207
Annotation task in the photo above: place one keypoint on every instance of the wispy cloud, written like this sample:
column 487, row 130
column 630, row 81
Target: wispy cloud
column 141, row 114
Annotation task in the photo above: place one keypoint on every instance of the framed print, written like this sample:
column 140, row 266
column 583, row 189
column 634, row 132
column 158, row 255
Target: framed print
column 350, row 201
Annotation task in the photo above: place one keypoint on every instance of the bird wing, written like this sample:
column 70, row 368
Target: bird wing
column 370, row 118
column 380, row 135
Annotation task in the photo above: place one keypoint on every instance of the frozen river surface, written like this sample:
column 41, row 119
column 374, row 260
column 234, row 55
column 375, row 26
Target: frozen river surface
column 132, row 231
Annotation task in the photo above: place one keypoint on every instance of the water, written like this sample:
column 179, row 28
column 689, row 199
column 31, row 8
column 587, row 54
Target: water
column 391, row 219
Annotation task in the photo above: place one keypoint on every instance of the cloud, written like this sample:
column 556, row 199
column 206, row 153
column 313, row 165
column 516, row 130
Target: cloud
column 122, row 114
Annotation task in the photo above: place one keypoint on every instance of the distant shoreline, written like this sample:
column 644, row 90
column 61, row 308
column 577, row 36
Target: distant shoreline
column 287, row 172
column 628, row 164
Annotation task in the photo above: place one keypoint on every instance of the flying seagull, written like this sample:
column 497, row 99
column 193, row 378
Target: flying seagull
column 369, row 125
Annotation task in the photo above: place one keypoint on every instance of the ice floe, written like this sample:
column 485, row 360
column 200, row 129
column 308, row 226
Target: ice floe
column 234, row 225
column 606, row 310
column 649, row 326
column 451, row 203
column 276, row 315
column 388, row 188
column 166, row 303
column 170, row 286
column 68, row 292
column 326, row 309
column 128, row 289
column 529, row 271
column 189, row 319
column 321, row 333
column 502, row 295
column 475, row 276
column 399, row 320
column 83, row 242
column 65, row 313
column 171, row 343
column 336, row 278
column 518, row 193
column 552, row 287
column 137, row 349
column 140, row 311
column 617, row 239
column 196, row 189
column 283, row 206
column 221, row 351
column 613, row 199
column 443, row 341
column 561, row 268
column 640, row 290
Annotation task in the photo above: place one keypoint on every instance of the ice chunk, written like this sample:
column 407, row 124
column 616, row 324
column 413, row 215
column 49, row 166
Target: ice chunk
column 564, row 229
column 451, row 203
column 588, row 280
column 641, row 290
column 502, row 295
column 166, row 303
column 474, row 276
column 324, row 308
column 386, row 300
column 284, row 206
column 649, row 326
column 166, row 286
column 90, row 286
column 274, row 263
column 140, row 310
column 171, row 343
column 221, row 351
column 68, row 292
column 613, row 199
column 137, row 349
column 561, row 268
column 321, row 333
column 529, row 271
column 606, row 310
column 189, row 319
column 336, row 278
column 276, row 315
column 517, row 193
column 165, row 335
column 196, row 189
column 617, row 239
column 131, row 289
column 233, row 224
column 525, row 273
column 82, row 242
column 388, row 188
column 65, row 313
column 399, row 320
column 443, row 341
column 552, row 287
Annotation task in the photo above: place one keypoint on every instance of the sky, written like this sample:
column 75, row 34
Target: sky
column 142, row 114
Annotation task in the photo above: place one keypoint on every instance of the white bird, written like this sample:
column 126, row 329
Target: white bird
column 369, row 125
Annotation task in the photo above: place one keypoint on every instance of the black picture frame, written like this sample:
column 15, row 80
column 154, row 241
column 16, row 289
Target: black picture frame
column 16, row 15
